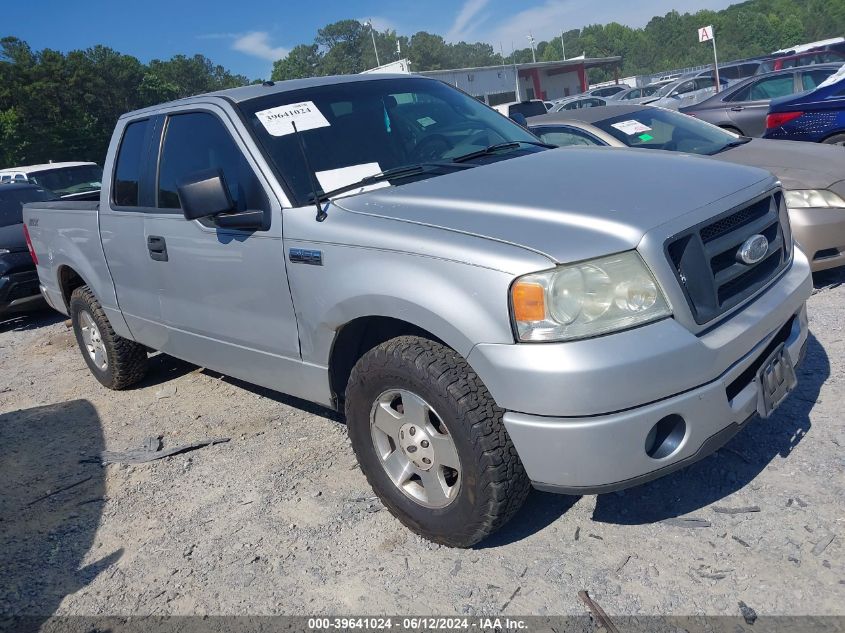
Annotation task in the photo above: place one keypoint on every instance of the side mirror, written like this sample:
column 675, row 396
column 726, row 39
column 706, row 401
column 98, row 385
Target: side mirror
column 518, row 117
column 204, row 194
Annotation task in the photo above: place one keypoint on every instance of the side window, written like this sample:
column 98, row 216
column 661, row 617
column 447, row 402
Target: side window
column 810, row 79
column 684, row 88
column 772, row 87
column 566, row 136
column 196, row 141
column 731, row 72
column 130, row 159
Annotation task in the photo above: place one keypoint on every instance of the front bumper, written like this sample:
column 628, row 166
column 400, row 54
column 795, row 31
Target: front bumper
column 821, row 234
column 580, row 413
column 20, row 291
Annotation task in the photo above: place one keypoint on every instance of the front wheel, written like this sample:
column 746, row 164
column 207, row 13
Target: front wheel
column 115, row 361
column 431, row 442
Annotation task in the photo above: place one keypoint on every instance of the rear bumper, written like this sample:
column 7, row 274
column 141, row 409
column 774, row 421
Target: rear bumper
column 20, row 291
column 821, row 233
column 597, row 454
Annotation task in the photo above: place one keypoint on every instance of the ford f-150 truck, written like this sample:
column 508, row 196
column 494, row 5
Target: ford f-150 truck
column 489, row 313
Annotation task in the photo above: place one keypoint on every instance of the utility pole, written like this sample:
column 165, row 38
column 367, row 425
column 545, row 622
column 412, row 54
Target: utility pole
column 373, row 34
column 533, row 52
column 562, row 47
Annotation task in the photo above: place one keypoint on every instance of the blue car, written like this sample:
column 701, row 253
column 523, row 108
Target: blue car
column 816, row 115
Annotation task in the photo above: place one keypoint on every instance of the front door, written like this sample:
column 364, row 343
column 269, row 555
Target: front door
column 225, row 299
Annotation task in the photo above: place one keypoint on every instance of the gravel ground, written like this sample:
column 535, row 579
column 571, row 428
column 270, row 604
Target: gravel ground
column 280, row 520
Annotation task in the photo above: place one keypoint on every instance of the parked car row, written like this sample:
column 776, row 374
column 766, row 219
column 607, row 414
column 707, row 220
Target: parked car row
column 742, row 108
column 489, row 311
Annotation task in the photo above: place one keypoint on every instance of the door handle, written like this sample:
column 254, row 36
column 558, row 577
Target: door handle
column 737, row 109
column 157, row 247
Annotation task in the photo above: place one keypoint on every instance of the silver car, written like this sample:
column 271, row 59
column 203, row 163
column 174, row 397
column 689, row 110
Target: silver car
column 686, row 92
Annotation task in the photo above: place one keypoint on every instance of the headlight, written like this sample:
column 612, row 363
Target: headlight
column 4, row 251
column 816, row 198
column 587, row 299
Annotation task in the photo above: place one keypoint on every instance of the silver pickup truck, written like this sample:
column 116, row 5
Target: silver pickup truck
column 489, row 313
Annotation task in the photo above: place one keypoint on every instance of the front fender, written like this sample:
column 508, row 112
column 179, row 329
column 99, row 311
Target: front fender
column 461, row 304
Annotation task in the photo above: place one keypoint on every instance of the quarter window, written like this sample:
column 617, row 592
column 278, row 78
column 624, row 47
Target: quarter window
column 197, row 141
column 130, row 158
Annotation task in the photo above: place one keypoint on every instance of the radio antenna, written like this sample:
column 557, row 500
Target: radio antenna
column 321, row 214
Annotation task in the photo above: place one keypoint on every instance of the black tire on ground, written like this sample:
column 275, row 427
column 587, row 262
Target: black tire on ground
column 836, row 139
column 731, row 128
column 493, row 483
column 126, row 360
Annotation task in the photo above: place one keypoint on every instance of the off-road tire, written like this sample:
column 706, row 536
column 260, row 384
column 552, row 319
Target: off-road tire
column 127, row 360
column 493, row 481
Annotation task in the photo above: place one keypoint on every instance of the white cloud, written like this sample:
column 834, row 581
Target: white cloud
column 465, row 22
column 257, row 44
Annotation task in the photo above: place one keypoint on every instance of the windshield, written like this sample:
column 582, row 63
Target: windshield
column 352, row 130
column 69, row 180
column 656, row 128
column 12, row 201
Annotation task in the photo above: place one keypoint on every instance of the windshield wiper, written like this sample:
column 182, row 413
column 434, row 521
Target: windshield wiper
column 496, row 147
column 405, row 171
column 742, row 140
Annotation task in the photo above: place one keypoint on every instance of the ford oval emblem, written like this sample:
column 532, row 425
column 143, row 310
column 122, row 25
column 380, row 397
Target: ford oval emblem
column 753, row 249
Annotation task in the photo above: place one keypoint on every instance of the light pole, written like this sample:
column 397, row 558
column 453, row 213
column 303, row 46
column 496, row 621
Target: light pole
column 562, row 47
column 373, row 33
column 533, row 52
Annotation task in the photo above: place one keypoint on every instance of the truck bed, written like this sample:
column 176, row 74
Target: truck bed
column 66, row 239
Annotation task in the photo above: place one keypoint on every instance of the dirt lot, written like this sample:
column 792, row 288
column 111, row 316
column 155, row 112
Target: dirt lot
column 280, row 520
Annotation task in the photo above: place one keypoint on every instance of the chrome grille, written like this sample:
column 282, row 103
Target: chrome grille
column 706, row 259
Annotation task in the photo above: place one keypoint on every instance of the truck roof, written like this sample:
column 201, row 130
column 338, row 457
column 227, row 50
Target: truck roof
column 31, row 169
column 245, row 93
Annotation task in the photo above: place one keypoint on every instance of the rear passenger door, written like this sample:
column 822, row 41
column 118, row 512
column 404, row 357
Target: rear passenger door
column 748, row 107
column 225, row 299
column 123, row 208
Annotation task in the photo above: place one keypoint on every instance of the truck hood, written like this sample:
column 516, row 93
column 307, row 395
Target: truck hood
column 567, row 204
column 797, row 165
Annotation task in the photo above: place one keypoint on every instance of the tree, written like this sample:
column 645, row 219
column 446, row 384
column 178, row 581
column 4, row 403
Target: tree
column 302, row 61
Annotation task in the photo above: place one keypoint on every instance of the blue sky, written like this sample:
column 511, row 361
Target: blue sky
column 246, row 36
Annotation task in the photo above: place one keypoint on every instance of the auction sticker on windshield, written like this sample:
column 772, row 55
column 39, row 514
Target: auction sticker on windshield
column 631, row 127
column 279, row 121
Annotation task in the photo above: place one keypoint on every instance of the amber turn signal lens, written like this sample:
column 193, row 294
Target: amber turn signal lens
column 528, row 302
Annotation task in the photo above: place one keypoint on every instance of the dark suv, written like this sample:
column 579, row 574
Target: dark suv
column 18, row 279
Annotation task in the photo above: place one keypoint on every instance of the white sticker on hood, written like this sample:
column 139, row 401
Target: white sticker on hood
column 278, row 121
column 631, row 127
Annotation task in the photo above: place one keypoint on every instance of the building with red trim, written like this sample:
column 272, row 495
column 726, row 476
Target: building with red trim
column 518, row 82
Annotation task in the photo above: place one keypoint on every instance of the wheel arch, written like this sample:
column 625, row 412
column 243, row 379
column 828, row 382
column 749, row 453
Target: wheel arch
column 359, row 336
column 69, row 280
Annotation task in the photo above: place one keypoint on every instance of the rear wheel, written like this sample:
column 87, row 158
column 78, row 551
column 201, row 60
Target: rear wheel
column 431, row 442
column 730, row 128
column 115, row 361
column 836, row 139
